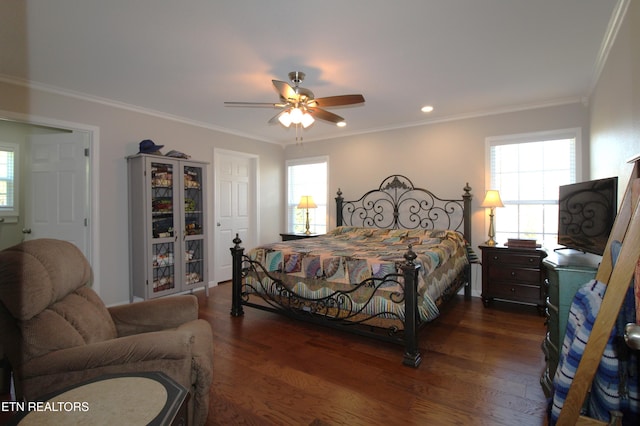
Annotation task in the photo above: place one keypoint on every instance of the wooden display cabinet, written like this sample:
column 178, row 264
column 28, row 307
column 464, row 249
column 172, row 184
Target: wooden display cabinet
column 167, row 225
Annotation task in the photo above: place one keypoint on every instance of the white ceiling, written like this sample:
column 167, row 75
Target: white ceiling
column 185, row 58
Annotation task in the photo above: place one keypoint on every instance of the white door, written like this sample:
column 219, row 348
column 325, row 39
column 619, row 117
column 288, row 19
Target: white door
column 234, row 208
column 56, row 199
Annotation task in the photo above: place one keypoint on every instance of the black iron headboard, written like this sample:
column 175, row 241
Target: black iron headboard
column 397, row 203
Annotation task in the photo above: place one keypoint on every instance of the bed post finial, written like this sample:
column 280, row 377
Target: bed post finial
column 410, row 255
column 467, row 190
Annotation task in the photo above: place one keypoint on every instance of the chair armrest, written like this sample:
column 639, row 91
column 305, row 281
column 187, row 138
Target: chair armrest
column 154, row 315
column 125, row 351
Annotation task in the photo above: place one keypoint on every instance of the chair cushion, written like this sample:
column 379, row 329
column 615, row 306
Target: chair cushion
column 78, row 319
column 38, row 273
column 44, row 285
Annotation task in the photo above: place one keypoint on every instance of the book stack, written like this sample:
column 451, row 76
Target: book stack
column 520, row 243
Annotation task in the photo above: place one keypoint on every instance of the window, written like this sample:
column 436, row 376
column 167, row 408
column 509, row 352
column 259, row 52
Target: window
column 307, row 177
column 8, row 179
column 527, row 170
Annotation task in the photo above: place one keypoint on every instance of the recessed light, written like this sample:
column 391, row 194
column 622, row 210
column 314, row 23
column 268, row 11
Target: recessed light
column 341, row 123
column 426, row 108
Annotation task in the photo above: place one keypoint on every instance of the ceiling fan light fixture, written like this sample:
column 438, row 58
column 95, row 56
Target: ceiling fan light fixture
column 296, row 115
column 285, row 119
column 299, row 107
column 307, row 120
column 341, row 124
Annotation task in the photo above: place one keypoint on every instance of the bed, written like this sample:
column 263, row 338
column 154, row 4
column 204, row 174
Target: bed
column 397, row 254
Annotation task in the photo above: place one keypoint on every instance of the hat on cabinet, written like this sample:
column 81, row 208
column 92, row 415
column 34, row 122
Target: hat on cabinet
column 148, row 147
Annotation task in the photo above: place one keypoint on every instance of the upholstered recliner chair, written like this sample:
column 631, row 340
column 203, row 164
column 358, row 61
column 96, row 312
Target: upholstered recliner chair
column 56, row 331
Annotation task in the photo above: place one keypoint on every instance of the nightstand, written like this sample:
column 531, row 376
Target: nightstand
column 286, row 236
column 513, row 274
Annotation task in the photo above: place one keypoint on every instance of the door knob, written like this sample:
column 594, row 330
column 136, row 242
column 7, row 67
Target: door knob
column 26, row 230
column 632, row 336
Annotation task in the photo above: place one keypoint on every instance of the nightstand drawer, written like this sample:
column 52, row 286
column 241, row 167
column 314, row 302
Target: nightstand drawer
column 515, row 259
column 524, row 293
column 520, row 275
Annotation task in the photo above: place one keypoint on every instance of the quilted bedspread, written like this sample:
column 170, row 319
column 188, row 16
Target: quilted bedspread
column 346, row 256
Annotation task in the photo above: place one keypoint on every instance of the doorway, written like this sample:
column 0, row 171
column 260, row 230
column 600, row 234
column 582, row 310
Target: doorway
column 58, row 188
column 55, row 190
column 235, row 207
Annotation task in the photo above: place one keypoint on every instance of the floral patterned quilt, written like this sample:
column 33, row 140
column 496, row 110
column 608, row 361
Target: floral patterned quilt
column 346, row 256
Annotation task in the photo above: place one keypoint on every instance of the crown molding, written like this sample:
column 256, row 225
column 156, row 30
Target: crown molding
column 617, row 18
column 467, row 116
column 33, row 85
column 159, row 114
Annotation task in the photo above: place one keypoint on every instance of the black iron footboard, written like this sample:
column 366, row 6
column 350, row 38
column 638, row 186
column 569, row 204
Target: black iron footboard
column 337, row 309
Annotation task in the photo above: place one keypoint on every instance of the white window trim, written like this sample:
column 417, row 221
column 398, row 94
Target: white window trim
column 570, row 133
column 11, row 216
column 303, row 161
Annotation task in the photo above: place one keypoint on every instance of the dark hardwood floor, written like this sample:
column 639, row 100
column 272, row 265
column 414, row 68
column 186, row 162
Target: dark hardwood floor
column 481, row 366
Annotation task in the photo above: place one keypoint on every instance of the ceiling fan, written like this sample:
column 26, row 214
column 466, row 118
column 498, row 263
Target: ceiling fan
column 299, row 106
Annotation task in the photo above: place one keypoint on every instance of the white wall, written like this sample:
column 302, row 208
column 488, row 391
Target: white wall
column 615, row 105
column 120, row 131
column 441, row 157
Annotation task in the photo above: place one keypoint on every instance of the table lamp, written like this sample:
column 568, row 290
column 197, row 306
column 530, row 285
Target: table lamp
column 306, row 202
column 492, row 200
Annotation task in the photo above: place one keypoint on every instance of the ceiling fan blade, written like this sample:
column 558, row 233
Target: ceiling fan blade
column 286, row 91
column 274, row 119
column 331, row 101
column 257, row 104
column 322, row 114
column 304, row 93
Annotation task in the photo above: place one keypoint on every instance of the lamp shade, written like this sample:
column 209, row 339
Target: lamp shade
column 306, row 202
column 492, row 199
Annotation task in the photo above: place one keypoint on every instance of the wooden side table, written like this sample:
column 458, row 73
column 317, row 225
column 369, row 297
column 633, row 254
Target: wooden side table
column 151, row 398
column 513, row 274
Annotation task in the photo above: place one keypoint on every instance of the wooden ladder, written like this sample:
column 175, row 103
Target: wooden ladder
column 626, row 229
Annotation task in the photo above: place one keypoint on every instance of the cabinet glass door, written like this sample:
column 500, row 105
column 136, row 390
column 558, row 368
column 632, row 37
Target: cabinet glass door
column 193, row 208
column 194, row 261
column 162, row 222
column 193, row 224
